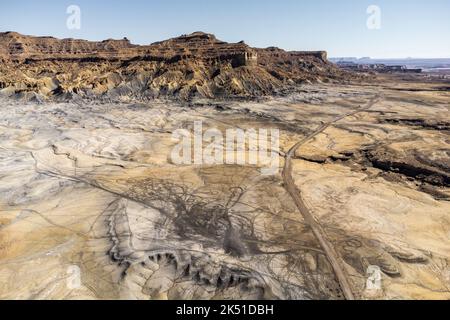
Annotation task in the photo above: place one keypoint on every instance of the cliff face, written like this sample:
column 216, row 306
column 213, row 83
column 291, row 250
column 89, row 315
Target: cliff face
column 19, row 47
column 191, row 65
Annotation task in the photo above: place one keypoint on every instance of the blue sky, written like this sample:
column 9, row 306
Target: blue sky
column 409, row 28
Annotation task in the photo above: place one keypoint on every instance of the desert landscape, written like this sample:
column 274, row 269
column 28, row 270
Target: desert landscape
column 88, row 182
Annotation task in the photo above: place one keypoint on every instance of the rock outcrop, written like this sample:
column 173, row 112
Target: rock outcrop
column 184, row 67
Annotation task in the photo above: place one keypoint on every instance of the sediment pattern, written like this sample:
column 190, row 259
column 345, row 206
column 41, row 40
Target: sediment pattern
column 92, row 185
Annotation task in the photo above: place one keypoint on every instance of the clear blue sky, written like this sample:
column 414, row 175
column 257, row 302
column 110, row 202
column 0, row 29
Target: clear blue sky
column 409, row 28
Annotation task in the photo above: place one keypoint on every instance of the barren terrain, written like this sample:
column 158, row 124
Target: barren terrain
column 363, row 181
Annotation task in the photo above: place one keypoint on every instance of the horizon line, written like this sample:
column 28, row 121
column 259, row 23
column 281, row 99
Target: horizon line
column 146, row 44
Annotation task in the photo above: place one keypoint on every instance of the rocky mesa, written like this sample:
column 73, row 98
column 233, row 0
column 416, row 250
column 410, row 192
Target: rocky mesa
column 194, row 65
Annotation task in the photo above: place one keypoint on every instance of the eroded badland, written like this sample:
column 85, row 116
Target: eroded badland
column 89, row 184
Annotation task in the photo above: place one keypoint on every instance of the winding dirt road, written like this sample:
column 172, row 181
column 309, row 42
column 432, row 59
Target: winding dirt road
column 320, row 234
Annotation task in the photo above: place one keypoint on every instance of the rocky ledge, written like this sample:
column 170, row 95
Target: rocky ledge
column 195, row 65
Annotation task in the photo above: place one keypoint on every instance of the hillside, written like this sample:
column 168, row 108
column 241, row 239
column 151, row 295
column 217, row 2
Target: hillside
column 184, row 67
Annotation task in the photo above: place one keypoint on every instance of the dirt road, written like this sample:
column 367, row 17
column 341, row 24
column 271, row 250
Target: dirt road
column 320, row 234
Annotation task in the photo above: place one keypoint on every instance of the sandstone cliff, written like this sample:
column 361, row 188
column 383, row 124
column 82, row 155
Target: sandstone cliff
column 184, row 67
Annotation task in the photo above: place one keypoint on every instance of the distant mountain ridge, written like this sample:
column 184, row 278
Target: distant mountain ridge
column 409, row 62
